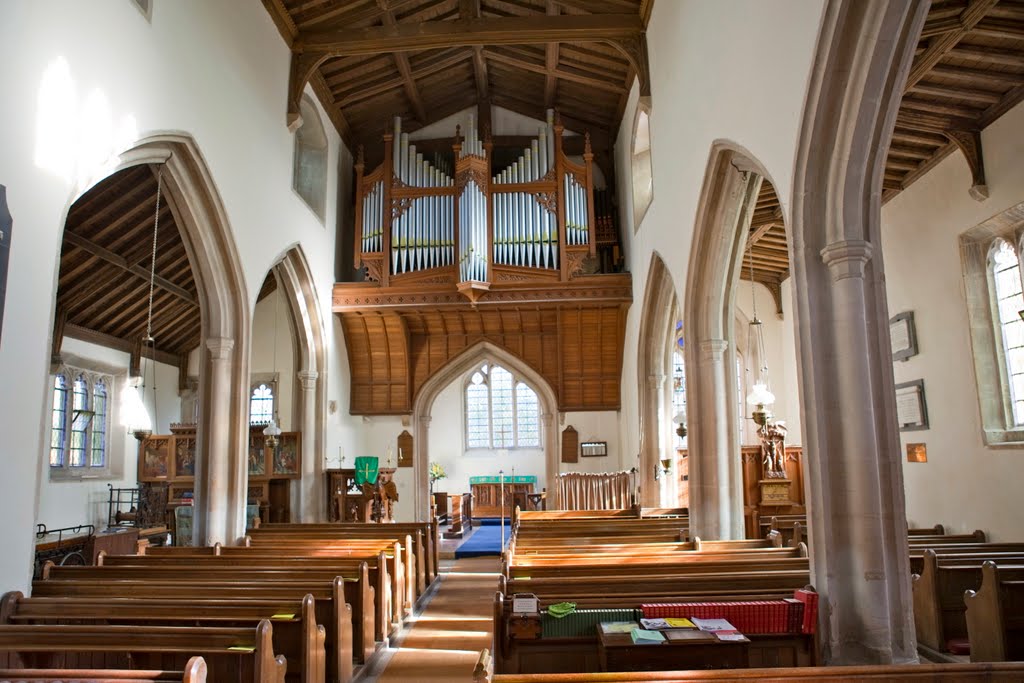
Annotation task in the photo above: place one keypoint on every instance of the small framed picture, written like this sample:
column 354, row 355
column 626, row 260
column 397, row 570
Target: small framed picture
column 593, row 449
column 917, row 452
column 911, row 410
column 903, row 336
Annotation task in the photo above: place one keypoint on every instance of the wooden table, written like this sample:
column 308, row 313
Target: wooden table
column 682, row 649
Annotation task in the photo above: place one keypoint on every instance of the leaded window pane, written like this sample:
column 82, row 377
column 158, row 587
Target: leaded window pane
column 503, row 430
column 58, row 412
column 477, row 423
column 80, row 403
column 98, row 453
column 261, row 404
column 527, row 417
column 1009, row 303
column 678, row 389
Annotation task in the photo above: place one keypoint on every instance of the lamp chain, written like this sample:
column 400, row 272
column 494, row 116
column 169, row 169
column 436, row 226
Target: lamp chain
column 152, row 270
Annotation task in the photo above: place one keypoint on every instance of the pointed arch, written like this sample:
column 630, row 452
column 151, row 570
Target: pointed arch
column 296, row 279
column 654, row 375
column 457, row 367
column 731, row 184
column 221, row 473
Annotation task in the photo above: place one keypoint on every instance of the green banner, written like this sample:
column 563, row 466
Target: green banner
column 366, row 469
column 528, row 479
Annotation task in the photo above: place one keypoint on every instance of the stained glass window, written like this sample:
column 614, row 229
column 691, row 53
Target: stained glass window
column 261, row 404
column 678, row 389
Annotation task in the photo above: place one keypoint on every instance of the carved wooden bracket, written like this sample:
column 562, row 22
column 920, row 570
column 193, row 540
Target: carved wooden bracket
column 635, row 50
column 969, row 142
column 776, row 289
column 301, row 71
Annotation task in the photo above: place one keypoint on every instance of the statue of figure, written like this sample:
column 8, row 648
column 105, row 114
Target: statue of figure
column 773, row 449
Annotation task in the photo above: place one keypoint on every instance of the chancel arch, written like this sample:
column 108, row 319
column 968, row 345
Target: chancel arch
column 456, row 371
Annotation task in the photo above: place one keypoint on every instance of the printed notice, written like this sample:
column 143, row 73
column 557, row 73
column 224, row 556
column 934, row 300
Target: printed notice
column 908, row 406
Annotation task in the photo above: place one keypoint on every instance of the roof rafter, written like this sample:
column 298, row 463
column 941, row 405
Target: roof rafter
column 942, row 44
column 551, row 63
column 402, row 62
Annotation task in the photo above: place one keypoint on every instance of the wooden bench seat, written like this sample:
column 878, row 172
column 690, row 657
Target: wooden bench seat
column 231, row 654
column 937, row 530
column 195, row 672
column 387, row 615
column 648, row 567
column 995, row 615
column 994, row 549
column 938, row 595
column 342, row 604
column 977, row 536
column 297, row 635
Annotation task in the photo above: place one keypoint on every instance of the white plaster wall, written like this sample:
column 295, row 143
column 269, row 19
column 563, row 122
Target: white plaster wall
column 751, row 96
column 964, row 485
column 64, row 503
column 780, row 350
column 216, row 71
column 272, row 314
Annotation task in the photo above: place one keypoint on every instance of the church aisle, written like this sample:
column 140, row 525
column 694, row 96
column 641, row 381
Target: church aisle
column 445, row 640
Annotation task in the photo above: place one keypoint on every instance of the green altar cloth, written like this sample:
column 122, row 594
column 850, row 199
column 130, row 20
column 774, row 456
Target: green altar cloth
column 366, row 469
column 528, row 479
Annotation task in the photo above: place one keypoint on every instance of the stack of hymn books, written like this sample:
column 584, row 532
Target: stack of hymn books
column 642, row 636
column 798, row 614
column 722, row 629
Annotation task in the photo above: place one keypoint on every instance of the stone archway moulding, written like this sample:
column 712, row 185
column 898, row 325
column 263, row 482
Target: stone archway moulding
column 296, row 280
column 191, row 194
column 731, row 184
column 853, row 473
column 455, row 370
column 654, row 371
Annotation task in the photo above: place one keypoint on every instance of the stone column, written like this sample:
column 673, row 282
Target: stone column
column 421, row 468
column 311, row 483
column 855, row 485
column 716, row 493
column 552, row 448
column 214, row 472
column 652, row 406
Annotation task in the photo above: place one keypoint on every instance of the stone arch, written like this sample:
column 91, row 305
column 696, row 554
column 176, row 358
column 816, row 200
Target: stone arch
column 452, row 371
column 853, row 471
column 654, row 373
column 296, row 280
column 221, row 472
column 731, row 184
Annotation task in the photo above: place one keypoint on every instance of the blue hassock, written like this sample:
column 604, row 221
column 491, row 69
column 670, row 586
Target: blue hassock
column 486, row 540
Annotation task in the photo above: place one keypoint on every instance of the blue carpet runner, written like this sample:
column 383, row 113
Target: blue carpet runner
column 485, row 540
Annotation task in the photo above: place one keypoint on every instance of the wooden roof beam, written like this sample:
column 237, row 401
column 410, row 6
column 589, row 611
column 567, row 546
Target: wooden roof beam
column 942, row 44
column 559, row 72
column 551, row 62
column 119, row 344
column 119, row 261
column 760, row 232
column 972, row 95
column 402, row 62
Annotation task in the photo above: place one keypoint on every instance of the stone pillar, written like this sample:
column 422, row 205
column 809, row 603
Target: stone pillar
column 421, row 468
column 552, row 448
column 311, row 483
column 716, row 493
column 855, row 485
column 214, row 472
column 652, row 406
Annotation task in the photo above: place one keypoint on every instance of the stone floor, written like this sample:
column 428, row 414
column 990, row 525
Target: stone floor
column 443, row 642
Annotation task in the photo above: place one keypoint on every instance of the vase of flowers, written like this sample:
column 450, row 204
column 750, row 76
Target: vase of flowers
column 436, row 472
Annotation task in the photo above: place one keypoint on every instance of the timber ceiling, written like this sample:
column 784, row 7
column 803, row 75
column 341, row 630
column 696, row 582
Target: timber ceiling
column 968, row 71
column 523, row 55
column 103, row 285
column 576, row 346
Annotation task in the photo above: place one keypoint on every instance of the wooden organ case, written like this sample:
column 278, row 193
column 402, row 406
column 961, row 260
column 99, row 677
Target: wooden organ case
column 483, row 243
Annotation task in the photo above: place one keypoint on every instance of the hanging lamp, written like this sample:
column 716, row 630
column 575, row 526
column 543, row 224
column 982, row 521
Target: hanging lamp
column 760, row 397
column 271, row 432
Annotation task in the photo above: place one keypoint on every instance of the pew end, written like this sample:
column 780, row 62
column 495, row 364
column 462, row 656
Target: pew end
column 482, row 670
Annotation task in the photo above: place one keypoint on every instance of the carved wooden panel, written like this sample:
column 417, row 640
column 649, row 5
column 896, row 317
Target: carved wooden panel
column 405, row 449
column 570, row 444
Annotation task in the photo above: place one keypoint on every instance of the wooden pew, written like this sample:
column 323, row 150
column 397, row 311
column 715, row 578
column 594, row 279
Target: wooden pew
column 350, row 570
column 195, row 672
column 937, row 530
column 995, row 616
column 977, row 536
column 231, row 654
column 297, row 636
column 342, row 604
column 427, row 546
column 409, row 556
column 647, row 567
column 993, row 549
column 938, row 596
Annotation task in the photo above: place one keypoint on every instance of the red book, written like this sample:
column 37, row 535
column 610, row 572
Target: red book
column 810, row 600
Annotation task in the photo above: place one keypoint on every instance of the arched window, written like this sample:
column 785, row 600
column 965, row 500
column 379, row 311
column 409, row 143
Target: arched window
column 678, row 380
column 642, row 169
column 502, row 411
column 79, row 421
column 1009, row 302
column 261, row 403
column 309, row 167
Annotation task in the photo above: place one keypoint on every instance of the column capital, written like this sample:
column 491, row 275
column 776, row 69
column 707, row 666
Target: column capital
column 713, row 349
column 308, row 379
column 655, row 380
column 220, row 347
column 425, row 420
column 847, row 258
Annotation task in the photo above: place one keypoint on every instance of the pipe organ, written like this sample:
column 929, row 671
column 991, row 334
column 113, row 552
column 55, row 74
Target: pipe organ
column 458, row 218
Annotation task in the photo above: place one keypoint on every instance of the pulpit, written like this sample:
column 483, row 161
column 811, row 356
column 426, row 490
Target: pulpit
column 347, row 501
column 488, row 493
